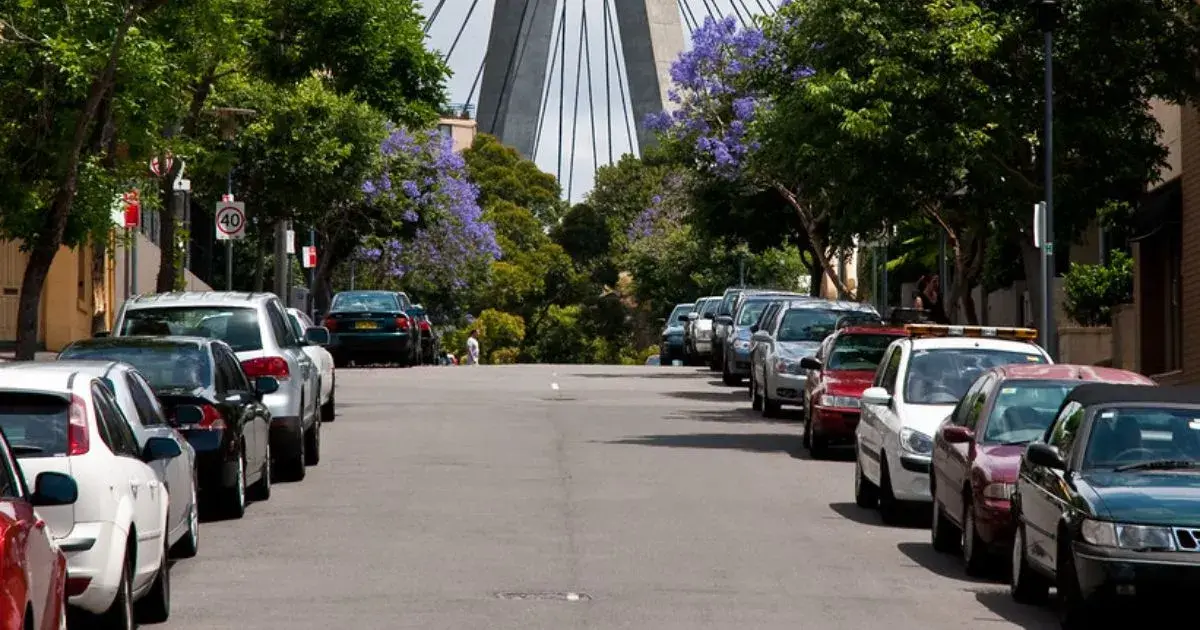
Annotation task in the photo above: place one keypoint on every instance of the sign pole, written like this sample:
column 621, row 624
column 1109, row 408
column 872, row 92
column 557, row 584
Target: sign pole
column 230, row 226
column 229, row 242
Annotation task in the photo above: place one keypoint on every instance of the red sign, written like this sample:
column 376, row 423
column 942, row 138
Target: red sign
column 133, row 208
column 309, row 259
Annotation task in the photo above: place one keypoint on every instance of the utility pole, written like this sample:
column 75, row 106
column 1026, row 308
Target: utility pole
column 1047, row 14
column 281, row 260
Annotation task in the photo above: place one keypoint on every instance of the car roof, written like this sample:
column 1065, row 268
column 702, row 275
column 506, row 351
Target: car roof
column 195, row 298
column 890, row 331
column 1090, row 394
column 96, row 368
column 683, row 304
column 37, row 376
column 946, row 343
column 834, row 305
column 142, row 341
column 1068, row 372
column 367, row 292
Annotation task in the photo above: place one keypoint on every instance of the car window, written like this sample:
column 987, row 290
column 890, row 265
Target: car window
column 886, row 378
column 351, row 302
column 10, row 481
column 160, row 416
column 297, row 325
column 807, row 324
column 1124, row 436
column 121, row 440
column 972, row 408
column 858, row 351
column 679, row 311
column 941, row 376
column 166, row 365
column 280, row 327
column 1067, row 428
column 749, row 312
column 236, row 376
column 710, row 307
column 147, row 414
column 236, row 326
column 36, row 424
column 964, row 406
column 404, row 300
column 1024, row 409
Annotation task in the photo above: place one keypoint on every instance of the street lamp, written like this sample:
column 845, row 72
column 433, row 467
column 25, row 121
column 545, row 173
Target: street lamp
column 1047, row 12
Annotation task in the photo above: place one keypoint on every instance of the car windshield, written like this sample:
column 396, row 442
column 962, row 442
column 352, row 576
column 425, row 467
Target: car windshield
column 1024, row 409
column 807, row 324
column 236, row 326
column 710, row 307
column 1129, row 436
column 858, row 351
column 941, row 376
column 364, row 303
column 164, row 366
column 680, row 311
column 750, row 312
column 35, row 424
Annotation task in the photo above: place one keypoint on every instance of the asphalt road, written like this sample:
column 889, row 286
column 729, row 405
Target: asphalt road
column 652, row 493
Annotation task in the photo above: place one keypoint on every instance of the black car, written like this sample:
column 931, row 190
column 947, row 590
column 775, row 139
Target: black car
column 1107, row 504
column 206, row 395
column 372, row 327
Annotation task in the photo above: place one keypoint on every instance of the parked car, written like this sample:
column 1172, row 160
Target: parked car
column 842, row 369
column 321, row 358
column 33, row 568
column 115, row 535
column 749, row 306
column 141, row 408
column 977, row 451
column 698, row 334
column 372, row 326
column 721, row 326
column 255, row 326
column 794, row 333
column 431, row 344
column 918, row 384
column 205, row 395
column 671, row 347
column 1106, row 503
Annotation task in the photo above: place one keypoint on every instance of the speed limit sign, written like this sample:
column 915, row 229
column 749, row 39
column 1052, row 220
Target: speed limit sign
column 231, row 221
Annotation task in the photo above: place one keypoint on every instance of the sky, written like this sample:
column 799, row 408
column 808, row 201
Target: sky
column 466, row 57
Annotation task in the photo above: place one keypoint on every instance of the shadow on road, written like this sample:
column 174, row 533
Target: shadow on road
column 683, row 372
column 752, row 442
column 943, row 564
column 862, row 516
column 736, row 395
column 739, row 415
column 1024, row 616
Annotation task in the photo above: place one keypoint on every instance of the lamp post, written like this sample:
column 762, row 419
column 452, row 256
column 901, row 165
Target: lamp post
column 1047, row 12
column 228, row 122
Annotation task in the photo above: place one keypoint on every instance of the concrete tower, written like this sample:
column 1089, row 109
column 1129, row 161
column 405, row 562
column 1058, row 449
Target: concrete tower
column 518, row 55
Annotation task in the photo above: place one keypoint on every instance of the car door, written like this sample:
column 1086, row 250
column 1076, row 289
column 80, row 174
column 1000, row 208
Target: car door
column 289, row 344
column 26, row 540
column 1043, row 490
column 238, row 398
column 146, row 492
column 176, row 472
column 953, row 461
column 256, row 416
column 322, row 360
column 875, row 419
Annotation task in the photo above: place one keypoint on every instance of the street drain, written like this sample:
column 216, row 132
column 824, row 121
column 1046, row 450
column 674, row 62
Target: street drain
column 566, row 596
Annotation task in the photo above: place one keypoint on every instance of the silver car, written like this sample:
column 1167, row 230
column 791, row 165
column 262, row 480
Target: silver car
column 256, row 326
column 793, row 331
column 138, row 404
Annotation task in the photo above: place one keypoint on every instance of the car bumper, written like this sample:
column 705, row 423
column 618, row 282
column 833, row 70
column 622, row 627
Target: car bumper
column 994, row 522
column 215, row 471
column 739, row 365
column 835, row 424
column 95, row 553
column 910, row 477
column 1104, row 571
column 369, row 343
column 787, row 389
column 703, row 346
column 286, row 431
column 286, row 401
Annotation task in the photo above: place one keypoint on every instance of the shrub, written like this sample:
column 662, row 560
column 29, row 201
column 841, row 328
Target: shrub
column 505, row 356
column 1091, row 291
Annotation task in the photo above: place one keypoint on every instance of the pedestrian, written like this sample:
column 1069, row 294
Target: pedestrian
column 473, row 348
column 931, row 297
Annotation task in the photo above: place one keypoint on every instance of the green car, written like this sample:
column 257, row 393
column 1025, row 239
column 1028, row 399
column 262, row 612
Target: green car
column 372, row 327
column 1107, row 504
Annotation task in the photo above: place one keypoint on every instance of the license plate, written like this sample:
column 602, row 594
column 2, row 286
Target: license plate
column 365, row 325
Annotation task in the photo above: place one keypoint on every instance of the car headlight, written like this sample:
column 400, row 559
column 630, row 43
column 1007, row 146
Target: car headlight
column 1137, row 537
column 784, row 366
column 916, row 442
column 704, row 334
column 847, row 402
column 741, row 344
column 999, row 491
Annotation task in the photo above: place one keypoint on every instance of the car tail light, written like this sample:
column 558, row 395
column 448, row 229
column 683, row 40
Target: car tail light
column 401, row 322
column 78, row 440
column 331, row 324
column 267, row 366
column 212, row 419
column 425, row 326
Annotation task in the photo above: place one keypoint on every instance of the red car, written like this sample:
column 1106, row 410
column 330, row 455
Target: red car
column 33, row 571
column 843, row 367
column 977, row 452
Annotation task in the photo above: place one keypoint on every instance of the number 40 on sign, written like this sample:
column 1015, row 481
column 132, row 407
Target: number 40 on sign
column 231, row 220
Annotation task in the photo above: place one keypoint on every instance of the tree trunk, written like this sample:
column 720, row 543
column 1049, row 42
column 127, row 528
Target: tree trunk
column 99, row 273
column 45, row 247
column 816, row 239
column 814, row 274
column 968, row 302
column 168, row 265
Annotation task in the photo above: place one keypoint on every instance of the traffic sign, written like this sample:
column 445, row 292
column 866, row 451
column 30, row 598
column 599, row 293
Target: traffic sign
column 309, row 258
column 156, row 167
column 231, row 221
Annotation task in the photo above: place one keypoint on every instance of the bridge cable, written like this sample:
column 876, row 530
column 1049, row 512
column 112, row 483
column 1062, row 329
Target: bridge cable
column 622, row 76
column 478, row 77
column 683, row 12
column 562, row 85
column 575, row 124
column 749, row 13
column 537, row 139
column 774, row 9
column 607, row 84
column 462, row 28
column 687, row 9
column 513, row 60
column 587, row 54
column 709, row 10
column 433, row 15
column 762, row 8
column 734, row 5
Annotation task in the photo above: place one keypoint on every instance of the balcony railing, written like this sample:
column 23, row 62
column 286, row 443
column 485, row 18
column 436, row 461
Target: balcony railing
column 464, row 111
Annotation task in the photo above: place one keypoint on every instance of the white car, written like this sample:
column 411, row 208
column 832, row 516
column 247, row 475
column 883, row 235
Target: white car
column 115, row 536
column 917, row 385
column 321, row 358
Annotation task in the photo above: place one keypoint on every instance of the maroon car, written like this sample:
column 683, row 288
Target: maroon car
column 977, row 451
column 843, row 367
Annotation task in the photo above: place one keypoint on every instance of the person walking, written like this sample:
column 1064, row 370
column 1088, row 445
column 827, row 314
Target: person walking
column 931, row 297
column 473, row 348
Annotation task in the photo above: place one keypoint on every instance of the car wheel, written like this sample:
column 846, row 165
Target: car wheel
column 261, row 490
column 818, row 445
column 806, row 440
column 943, row 534
column 756, row 401
column 189, row 545
column 770, row 408
column 328, row 412
column 119, row 615
column 889, row 507
column 312, row 445
column 235, row 497
column 1025, row 584
column 155, row 605
column 1075, row 611
column 340, row 361
column 973, row 548
column 866, row 494
column 729, row 378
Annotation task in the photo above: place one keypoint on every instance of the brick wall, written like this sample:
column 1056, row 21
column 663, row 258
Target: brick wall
column 1190, row 290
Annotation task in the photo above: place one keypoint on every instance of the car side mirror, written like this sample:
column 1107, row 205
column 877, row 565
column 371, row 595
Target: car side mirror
column 754, row 328
column 876, row 396
column 954, row 434
column 709, row 316
column 683, row 318
column 693, row 316
column 810, row 363
column 159, row 449
column 264, row 385
column 101, row 334
column 724, row 320
column 1042, row 454
column 54, row 488
column 317, row 335
column 188, row 414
